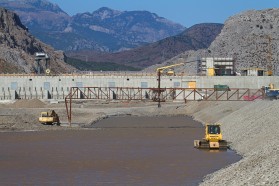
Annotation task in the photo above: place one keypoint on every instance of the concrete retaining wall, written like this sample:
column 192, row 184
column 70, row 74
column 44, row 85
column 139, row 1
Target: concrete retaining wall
column 57, row 87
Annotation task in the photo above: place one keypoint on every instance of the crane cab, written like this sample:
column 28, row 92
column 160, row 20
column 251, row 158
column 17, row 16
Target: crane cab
column 170, row 72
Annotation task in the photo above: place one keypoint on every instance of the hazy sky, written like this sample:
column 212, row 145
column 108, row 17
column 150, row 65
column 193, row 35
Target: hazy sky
column 185, row 12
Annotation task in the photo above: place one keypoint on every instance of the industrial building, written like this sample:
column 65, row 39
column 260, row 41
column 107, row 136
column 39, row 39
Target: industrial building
column 218, row 66
column 58, row 87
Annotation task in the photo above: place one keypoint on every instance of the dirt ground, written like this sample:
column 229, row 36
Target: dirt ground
column 24, row 114
column 251, row 127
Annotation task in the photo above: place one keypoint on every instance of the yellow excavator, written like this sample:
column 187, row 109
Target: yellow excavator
column 49, row 118
column 213, row 138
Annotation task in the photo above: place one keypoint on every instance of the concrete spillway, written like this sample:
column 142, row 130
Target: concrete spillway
column 57, row 87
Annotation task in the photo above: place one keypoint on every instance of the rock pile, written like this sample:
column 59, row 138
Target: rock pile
column 33, row 103
column 252, row 127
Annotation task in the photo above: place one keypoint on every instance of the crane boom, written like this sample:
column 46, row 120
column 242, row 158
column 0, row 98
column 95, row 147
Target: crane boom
column 166, row 67
column 161, row 69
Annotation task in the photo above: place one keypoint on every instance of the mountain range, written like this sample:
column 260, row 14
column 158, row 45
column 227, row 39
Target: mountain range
column 103, row 30
column 250, row 37
column 196, row 37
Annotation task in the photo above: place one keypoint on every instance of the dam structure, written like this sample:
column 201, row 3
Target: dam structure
column 46, row 87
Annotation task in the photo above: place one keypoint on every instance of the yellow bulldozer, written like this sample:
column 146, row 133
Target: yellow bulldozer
column 213, row 138
column 49, row 118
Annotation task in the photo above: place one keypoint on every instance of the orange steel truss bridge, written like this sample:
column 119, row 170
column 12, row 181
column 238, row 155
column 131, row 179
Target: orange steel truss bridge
column 165, row 94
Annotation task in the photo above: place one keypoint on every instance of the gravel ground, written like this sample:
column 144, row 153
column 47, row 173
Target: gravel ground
column 251, row 127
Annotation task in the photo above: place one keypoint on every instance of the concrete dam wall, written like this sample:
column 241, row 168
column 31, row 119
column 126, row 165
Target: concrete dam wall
column 58, row 87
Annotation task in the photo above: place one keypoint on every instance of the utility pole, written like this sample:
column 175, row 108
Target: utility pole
column 159, row 88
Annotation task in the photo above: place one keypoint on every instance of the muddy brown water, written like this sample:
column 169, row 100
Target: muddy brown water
column 115, row 151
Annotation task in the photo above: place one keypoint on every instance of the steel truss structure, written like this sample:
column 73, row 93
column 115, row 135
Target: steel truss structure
column 159, row 95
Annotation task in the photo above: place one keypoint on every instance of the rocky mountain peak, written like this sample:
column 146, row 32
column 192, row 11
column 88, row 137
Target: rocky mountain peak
column 12, row 18
column 44, row 5
column 105, row 13
column 102, row 30
column 31, row 5
column 38, row 12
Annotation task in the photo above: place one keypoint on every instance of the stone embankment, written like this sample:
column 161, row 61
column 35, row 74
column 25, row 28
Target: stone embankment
column 251, row 127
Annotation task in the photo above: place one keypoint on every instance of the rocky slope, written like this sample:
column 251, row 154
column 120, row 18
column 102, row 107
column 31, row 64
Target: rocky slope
column 196, row 37
column 18, row 47
column 102, row 30
column 252, row 129
column 250, row 38
column 38, row 15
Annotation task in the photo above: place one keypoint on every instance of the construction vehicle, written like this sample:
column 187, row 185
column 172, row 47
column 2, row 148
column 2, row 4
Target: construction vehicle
column 271, row 92
column 213, row 138
column 170, row 72
column 49, row 118
column 221, row 87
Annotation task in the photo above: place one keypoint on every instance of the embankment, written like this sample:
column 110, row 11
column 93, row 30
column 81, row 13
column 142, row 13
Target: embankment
column 252, row 127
